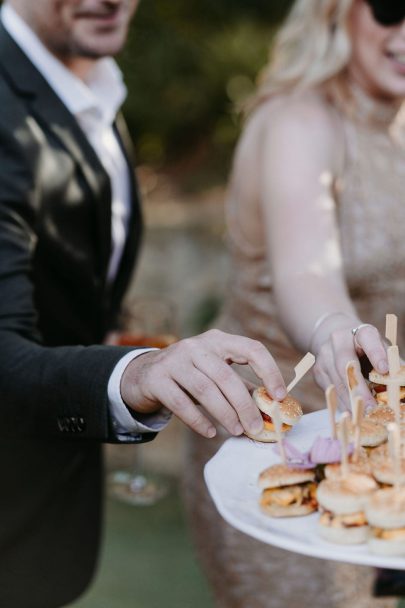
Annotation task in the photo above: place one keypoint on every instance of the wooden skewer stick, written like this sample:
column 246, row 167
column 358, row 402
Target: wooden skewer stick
column 393, row 388
column 275, row 416
column 343, row 437
column 351, row 380
column 394, row 362
column 393, row 392
column 331, row 402
column 301, row 369
column 358, row 413
column 391, row 328
column 391, row 324
column 394, row 438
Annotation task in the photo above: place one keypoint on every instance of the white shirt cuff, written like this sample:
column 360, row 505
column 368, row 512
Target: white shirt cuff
column 123, row 422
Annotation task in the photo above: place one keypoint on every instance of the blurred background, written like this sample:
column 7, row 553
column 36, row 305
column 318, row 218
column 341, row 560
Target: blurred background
column 188, row 66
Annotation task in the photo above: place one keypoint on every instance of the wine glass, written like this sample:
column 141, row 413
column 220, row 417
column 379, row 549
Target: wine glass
column 147, row 321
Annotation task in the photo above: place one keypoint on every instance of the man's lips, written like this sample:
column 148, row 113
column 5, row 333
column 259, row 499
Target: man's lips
column 102, row 17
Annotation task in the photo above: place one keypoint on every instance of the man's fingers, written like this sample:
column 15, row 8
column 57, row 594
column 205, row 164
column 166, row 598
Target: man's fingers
column 245, row 351
column 233, row 389
column 176, row 400
column 206, row 393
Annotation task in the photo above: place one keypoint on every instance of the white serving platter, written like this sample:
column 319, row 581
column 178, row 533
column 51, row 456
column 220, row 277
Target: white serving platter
column 231, row 477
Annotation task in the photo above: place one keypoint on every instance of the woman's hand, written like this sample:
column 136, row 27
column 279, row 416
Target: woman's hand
column 334, row 346
column 198, row 370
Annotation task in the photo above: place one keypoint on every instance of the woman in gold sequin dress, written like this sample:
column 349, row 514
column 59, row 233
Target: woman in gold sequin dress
column 316, row 230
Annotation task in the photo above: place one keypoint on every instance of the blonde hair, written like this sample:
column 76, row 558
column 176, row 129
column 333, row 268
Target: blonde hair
column 312, row 48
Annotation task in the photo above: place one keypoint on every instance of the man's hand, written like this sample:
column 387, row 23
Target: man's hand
column 198, row 370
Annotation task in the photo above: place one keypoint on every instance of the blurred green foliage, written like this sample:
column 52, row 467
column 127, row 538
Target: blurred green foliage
column 188, row 64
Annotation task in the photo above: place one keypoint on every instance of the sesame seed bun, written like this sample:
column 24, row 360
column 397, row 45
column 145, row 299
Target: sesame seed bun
column 290, row 414
column 344, row 536
column 362, row 467
column 290, row 408
column 371, row 433
column 265, row 435
column 282, row 475
column 379, row 455
column 386, row 509
column 345, row 496
column 384, row 472
column 383, row 414
column 378, row 378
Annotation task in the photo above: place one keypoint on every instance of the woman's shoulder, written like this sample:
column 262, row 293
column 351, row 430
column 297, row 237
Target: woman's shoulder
column 308, row 112
column 304, row 122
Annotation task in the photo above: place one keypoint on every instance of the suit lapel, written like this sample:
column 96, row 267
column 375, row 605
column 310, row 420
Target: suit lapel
column 135, row 225
column 53, row 116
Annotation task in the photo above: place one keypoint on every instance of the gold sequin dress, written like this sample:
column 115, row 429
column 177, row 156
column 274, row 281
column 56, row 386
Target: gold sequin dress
column 370, row 208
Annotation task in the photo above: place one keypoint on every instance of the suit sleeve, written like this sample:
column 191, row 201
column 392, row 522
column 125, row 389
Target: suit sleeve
column 44, row 391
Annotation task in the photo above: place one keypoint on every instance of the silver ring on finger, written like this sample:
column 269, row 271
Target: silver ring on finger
column 356, row 329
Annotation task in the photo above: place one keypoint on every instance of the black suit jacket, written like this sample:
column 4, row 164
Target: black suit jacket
column 55, row 305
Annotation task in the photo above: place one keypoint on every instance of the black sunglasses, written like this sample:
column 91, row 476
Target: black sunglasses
column 388, row 12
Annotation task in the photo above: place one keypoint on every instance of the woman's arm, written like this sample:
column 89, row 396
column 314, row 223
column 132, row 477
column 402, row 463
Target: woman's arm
column 302, row 156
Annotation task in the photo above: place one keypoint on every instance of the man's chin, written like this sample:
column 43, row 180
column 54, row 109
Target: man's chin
column 99, row 47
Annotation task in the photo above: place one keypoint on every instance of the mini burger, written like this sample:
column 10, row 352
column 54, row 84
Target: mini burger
column 372, row 433
column 383, row 414
column 385, row 512
column 384, row 471
column 361, row 466
column 381, row 455
column 287, row 492
column 341, row 504
column 379, row 382
column 382, row 397
column 290, row 414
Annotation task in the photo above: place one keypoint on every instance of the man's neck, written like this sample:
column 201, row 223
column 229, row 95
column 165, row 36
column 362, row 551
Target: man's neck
column 79, row 66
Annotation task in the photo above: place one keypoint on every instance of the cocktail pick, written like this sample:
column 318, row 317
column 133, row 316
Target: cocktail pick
column 358, row 413
column 301, row 369
column 394, row 439
column 275, row 416
column 393, row 388
column 343, row 437
column 391, row 324
column 351, row 380
column 394, row 362
column 331, row 402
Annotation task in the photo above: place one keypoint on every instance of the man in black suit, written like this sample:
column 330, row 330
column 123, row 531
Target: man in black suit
column 70, row 228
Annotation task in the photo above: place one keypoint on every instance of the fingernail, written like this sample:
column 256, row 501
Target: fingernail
column 383, row 366
column 211, row 432
column 280, row 393
column 238, row 429
column 255, row 427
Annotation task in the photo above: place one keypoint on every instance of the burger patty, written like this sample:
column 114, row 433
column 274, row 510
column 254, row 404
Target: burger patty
column 393, row 534
column 299, row 494
column 268, row 424
column 379, row 391
column 351, row 520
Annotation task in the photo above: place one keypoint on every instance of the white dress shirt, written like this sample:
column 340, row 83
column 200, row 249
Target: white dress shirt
column 94, row 103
